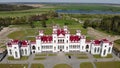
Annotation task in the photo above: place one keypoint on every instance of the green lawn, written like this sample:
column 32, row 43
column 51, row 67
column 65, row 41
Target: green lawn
column 52, row 54
column 86, row 65
column 17, row 35
column 41, row 54
column 22, row 58
column 39, row 58
column 13, row 66
column 98, row 56
column 67, row 54
column 107, row 64
column 62, row 66
column 37, row 66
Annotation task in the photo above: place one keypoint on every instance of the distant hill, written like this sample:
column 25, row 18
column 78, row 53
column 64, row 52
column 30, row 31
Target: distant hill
column 9, row 7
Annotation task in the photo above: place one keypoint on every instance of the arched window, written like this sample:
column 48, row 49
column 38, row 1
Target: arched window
column 33, row 47
column 25, row 51
column 87, row 46
column 16, row 54
column 104, row 52
column 95, row 49
column 22, row 51
column 10, row 52
column 98, row 49
column 109, row 49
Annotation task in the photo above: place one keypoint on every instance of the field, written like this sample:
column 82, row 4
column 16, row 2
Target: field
column 37, row 66
column 53, row 7
column 62, row 66
column 25, row 32
column 86, row 65
column 107, row 64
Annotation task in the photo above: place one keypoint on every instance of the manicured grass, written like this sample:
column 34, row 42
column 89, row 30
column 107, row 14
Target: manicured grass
column 31, row 38
column 62, row 66
column 40, row 54
column 22, row 58
column 52, row 54
column 67, row 54
column 86, row 65
column 108, row 64
column 17, row 35
column 37, row 66
column 40, row 58
column 98, row 56
column 13, row 66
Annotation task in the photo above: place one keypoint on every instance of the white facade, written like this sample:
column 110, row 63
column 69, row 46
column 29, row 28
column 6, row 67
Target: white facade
column 60, row 40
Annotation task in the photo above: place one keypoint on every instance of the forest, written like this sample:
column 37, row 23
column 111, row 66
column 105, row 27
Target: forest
column 108, row 24
column 8, row 7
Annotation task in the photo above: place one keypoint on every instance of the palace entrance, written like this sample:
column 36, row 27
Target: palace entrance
column 60, row 49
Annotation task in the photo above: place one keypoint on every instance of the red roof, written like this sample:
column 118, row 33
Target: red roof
column 97, row 42
column 33, row 42
column 9, row 44
column 105, row 40
column 60, row 31
column 74, row 38
column 46, row 38
column 24, row 43
column 110, row 43
column 14, row 41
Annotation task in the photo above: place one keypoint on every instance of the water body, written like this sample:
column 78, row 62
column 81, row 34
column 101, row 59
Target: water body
column 87, row 12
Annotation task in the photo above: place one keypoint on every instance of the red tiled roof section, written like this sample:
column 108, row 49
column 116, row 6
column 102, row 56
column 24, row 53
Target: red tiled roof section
column 105, row 40
column 24, row 43
column 9, row 44
column 74, row 38
column 46, row 38
column 97, row 42
column 14, row 41
column 60, row 31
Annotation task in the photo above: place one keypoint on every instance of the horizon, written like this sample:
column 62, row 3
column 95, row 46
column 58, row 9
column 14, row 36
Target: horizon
column 61, row 1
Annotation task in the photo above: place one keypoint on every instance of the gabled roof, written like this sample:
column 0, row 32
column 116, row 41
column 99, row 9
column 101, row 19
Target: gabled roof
column 46, row 38
column 60, row 31
column 24, row 43
column 74, row 38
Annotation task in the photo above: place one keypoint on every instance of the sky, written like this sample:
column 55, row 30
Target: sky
column 71, row 1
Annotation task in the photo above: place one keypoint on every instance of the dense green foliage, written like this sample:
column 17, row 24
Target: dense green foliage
column 108, row 24
column 26, row 20
column 8, row 7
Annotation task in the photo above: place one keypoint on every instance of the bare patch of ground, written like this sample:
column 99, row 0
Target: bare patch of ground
column 100, row 35
column 4, row 33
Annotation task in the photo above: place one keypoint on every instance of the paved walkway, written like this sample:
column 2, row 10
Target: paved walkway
column 51, row 61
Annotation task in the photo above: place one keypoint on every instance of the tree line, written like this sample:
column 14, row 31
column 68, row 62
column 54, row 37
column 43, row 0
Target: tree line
column 8, row 7
column 4, row 22
column 108, row 24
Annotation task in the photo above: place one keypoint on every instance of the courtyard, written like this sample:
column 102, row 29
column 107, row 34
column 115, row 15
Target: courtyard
column 62, row 60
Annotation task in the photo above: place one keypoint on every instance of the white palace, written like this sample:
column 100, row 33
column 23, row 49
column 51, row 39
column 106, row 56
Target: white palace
column 60, row 40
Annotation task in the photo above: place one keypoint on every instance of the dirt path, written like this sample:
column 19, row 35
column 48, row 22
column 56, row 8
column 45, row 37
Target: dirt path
column 100, row 35
column 5, row 32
